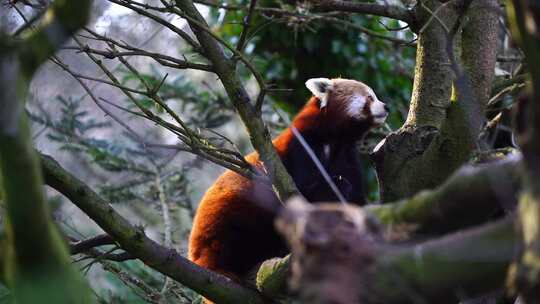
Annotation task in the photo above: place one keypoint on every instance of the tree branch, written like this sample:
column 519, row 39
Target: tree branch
column 84, row 245
column 524, row 18
column 472, row 195
column 338, row 257
column 384, row 10
column 442, row 127
column 224, row 68
column 487, row 190
column 133, row 240
column 187, row 38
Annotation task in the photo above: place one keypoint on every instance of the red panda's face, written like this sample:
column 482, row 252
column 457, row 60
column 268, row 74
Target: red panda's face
column 351, row 98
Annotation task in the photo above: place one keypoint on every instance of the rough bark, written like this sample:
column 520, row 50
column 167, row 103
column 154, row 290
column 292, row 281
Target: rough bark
column 471, row 196
column 486, row 191
column 439, row 135
column 36, row 259
column 338, row 257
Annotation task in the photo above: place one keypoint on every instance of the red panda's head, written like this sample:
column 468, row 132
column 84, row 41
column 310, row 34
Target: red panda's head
column 348, row 100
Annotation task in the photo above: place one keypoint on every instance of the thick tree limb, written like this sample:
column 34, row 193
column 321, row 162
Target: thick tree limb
column 400, row 157
column 339, row 258
column 165, row 260
column 471, row 196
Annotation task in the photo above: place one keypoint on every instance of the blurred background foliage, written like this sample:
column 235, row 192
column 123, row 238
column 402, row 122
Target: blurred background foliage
column 288, row 50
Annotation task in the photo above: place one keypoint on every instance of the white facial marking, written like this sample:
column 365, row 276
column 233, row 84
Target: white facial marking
column 320, row 87
column 355, row 107
column 378, row 111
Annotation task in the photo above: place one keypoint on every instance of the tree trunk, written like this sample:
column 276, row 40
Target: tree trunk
column 441, row 132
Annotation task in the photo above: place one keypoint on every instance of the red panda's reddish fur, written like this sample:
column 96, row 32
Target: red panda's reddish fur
column 232, row 233
column 230, row 200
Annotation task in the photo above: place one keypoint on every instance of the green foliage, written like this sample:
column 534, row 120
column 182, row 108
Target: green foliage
column 207, row 108
column 288, row 50
column 132, row 169
column 73, row 131
column 131, row 282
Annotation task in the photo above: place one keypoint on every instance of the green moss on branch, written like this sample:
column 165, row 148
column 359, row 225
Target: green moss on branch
column 469, row 197
column 468, row 263
column 338, row 257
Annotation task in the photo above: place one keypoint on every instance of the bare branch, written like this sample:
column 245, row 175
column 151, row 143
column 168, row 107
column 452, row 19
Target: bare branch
column 164, row 60
column 384, row 10
column 84, row 245
column 247, row 22
column 129, row 4
column 197, row 145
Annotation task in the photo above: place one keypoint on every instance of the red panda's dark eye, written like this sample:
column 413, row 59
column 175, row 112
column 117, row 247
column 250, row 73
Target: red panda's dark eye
column 369, row 98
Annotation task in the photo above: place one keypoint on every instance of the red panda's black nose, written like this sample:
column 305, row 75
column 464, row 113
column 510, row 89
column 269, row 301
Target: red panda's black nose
column 386, row 108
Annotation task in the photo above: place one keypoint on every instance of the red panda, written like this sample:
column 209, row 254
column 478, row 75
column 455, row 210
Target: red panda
column 232, row 233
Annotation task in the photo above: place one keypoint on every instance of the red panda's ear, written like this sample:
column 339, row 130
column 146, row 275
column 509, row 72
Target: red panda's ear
column 320, row 88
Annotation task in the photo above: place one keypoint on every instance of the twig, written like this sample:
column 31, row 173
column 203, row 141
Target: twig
column 170, row 26
column 93, row 97
column 384, row 10
column 433, row 16
column 202, row 148
column 150, row 294
column 167, row 223
column 84, row 245
column 247, row 22
column 510, row 58
column 163, row 60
